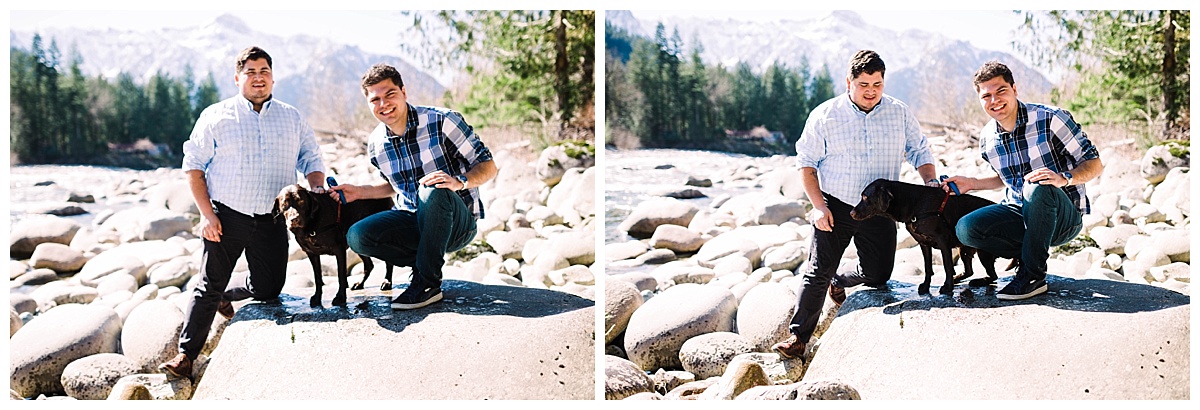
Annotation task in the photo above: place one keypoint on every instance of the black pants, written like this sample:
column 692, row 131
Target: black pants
column 265, row 241
column 875, row 239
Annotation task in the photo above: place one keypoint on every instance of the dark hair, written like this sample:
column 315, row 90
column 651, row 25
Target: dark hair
column 379, row 72
column 866, row 61
column 990, row 70
column 251, row 53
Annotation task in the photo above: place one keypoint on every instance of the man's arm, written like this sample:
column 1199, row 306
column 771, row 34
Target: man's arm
column 968, row 184
column 928, row 173
column 209, row 226
column 820, row 217
column 316, row 182
column 356, row 192
column 1086, row 171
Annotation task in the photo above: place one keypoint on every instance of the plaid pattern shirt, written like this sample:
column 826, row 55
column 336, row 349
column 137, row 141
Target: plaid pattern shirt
column 1044, row 137
column 247, row 156
column 434, row 139
column 850, row 148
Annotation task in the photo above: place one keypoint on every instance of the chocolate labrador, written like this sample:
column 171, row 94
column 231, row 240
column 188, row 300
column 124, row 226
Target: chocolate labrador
column 930, row 215
column 319, row 224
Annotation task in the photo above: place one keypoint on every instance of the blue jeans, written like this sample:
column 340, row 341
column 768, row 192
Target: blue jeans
column 1048, row 218
column 421, row 239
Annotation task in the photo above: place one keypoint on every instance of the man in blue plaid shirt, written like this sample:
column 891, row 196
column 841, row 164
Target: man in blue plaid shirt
column 432, row 164
column 848, row 142
column 1043, row 158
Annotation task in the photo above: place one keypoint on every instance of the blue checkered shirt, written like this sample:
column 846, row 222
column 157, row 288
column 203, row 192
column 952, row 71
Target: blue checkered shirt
column 435, row 139
column 1051, row 140
column 850, row 148
column 247, row 156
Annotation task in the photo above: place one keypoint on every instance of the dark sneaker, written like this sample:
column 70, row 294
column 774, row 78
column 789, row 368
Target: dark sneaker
column 1021, row 288
column 416, row 297
column 180, row 366
column 225, row 308
column 792, row 348
column 837, row 293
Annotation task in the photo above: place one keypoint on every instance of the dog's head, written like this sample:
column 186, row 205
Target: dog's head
column 875, row 201
column 298, row 207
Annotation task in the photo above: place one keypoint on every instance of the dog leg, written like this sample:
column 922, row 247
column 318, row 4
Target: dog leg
column 947, row 288
column 989, row 265
column 967, row 255
column 343, row 278
column 318, row 283
column 926, row 252
column 387, row 278
column 368, row 266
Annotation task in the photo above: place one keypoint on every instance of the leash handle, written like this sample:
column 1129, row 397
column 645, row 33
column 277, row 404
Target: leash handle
column 952, row 186
column 333, row 182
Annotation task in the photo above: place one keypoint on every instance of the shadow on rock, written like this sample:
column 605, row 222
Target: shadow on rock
column 1084, row 295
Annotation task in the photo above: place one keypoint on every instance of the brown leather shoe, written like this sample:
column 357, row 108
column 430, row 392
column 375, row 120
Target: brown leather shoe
column 792, row 348
column 180, row 366
column 225, row 308
column 838, row 294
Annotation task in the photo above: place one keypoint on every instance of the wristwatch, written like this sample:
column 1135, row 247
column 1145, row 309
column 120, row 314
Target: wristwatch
column 1070, row 178
column 463, row 179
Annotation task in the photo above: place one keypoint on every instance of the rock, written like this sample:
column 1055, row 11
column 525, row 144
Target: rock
column 577, row 274
column 706, row 355
column 173, row 195
column 1093, row 353
column 554, row 161
column 658, row 329
column 22, row 303
column 27, row 234
column 156, row 386
column 174, row 272
column 679, row 193
column 624, row 250
column 788, row 256
column 1145, row 213
column 691, row 390
column 115, row 283
column 764, row 314
column 151, row 334
column 725, row 246
column 650, row 214
column 641, row 280
column 1179, row 271
column 108, row 263
column 578, row 247
column 814, row 390
column 1176, row 244
column 621, row 299
column 679, row 273
column 623, row 379
column 1173, row 196
column 1160, row 159
column 1105, row 204
column 738, row 378
column 645, row 396
column 1151, row 257
column 543, row 215
column 1112, row 240
column 733, row 265
column 777, row 369
column 81, row 197
column 779, row 211
column 93, row 377
column 556, row 358
column 16, row 268
column 57, row 257
column 676, row 238
column 35, row 277
column 60, row 209
column 145, row 224
column 667, row 380
column 14, row 321
column 44, row 346
column 63, row 293
column 510, row 244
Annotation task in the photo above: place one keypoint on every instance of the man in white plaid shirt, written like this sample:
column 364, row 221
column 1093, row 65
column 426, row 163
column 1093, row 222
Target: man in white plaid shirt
column 242, row 151
column 432, row 164
column 848, row 142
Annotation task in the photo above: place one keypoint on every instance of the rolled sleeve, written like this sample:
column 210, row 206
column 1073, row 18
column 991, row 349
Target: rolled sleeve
column 463, row 136
column 916, row 147
column 810, row 148
column 199, row 149
column 1071, row 135
column 309, row 160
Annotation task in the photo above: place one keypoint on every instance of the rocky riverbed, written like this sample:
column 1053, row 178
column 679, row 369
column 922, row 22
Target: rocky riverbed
column 102, row 261
column 697, row 292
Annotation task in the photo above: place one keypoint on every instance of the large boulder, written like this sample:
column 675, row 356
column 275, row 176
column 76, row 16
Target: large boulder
column 506, row 343
column 623, row 379
column 707, row 355
column 57, row 257
column 1099, row 339
column 44, row 347
column 151, row 334
column 109, row 263
column 814, row 390
column 649, row 214
column 556, row 160
column 658, row 329
column 677, row 238
column 1160, row 159
column 32, row 231
column 764, row 314
column 145, row 223
column 621, row 299
column 93, row 377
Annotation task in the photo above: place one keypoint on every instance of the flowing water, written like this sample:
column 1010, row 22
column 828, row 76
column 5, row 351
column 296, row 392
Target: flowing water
column 32, row 187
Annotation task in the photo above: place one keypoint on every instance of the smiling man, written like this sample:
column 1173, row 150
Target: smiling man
column 432, row 164
column 1043, row 158
column 242, row 151
column 848, row 142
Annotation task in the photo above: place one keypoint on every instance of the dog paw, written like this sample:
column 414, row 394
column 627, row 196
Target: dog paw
column 960, row 278
column 358, row 286
column 923, row 289
column 339, row 300
column 946, row 291
column 315, row 302
column 979, row 283
column 387, row 285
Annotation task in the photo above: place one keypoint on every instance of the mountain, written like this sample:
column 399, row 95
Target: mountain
column 310, row 73
column 930, row 72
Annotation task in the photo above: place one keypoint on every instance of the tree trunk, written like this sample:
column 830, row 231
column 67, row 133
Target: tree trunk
column 561, row 72
column 1168, row 69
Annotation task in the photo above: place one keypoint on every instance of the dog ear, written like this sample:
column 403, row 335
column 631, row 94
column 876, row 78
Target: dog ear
column 885, row 198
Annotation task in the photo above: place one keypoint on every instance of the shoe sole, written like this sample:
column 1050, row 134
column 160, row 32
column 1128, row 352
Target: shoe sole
column 170, row 371
column 783, row 354
column 418, row 305
column 1037, row 291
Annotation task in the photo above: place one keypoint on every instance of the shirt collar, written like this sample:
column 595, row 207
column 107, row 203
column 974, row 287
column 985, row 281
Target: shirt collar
column 859, row 110
column 410, row 124
column 250, row 105
column 1022, row 118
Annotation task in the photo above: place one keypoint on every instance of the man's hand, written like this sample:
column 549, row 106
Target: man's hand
column 439, row 179
column 964, row 184
column 209, row 228
column 821, row 218
column 352, row 192
column 1044, row 176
